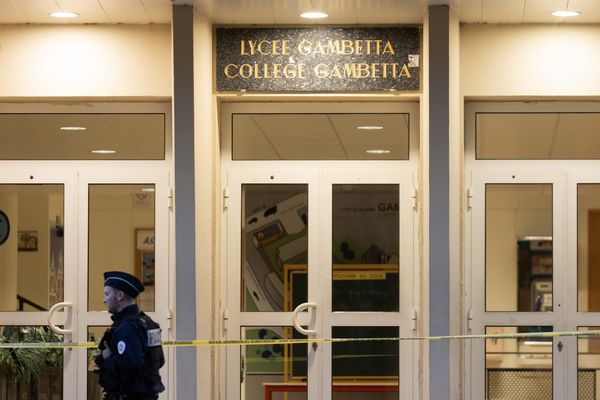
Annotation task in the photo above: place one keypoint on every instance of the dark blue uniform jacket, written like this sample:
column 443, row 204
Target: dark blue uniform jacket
column 123, row 372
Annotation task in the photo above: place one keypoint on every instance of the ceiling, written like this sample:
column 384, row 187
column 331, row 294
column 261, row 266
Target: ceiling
column 287, row 11
column 40, row 137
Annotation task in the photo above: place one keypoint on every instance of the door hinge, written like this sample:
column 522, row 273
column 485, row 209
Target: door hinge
column 469, row 198
column 169, row 319
column 242, row 369
column 415, row 199
column 225, row 320
column 470, row 320
column 171, row 198
column 225, row 198
column 414, row 318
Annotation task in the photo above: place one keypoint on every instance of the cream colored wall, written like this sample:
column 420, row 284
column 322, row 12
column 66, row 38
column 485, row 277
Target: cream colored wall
column 85, row 60
column 530, row 60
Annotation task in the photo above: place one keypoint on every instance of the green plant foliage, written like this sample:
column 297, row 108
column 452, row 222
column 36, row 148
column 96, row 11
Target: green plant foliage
column 26, row 365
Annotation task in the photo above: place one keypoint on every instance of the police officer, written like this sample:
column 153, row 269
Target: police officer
column 130, row 350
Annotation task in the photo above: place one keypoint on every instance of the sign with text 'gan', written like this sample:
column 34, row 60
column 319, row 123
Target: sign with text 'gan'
column 321, row 59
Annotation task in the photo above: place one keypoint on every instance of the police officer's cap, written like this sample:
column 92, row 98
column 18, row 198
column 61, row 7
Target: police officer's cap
column 123, row 281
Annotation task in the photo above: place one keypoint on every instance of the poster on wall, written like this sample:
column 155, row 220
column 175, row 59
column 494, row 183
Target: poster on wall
column 321, row 59
column 145, row 267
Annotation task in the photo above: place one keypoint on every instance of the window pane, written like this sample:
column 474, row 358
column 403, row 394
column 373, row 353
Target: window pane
column 274, row 247
column 518, row 247
column 121, row 237
column 34, row 247
column 375, row 364
column 274, row 371
column 537, row 136
column 320, row 136
column 518, row 368
column 588, row 365
column 79, row 136
column 366, row 247
column 16, row 366
column 588, row 247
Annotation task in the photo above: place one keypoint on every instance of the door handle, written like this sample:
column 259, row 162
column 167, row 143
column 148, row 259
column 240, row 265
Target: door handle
column 59, row 306
column 297, row 310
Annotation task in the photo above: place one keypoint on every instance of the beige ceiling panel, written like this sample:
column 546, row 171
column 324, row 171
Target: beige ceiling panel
column 38, row 11
column 470, row 11
column 578, row 137
column 89, row 11
column 504, row 11
column 288, row 12
column 258, row 11
column 248, row 142
column 515, row 136
column 393, row 136
column 19, row 140
column 144, row 132
column 129, row 11
column 589, row 9
column 540, row 11
column 339, row 11
column 158, row 10
column 390, row 11
column 218, row 13
column 10, row 13
column 301, row 136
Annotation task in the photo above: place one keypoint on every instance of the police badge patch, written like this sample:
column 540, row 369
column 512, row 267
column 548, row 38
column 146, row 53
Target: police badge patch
column 121, row 347
column 154, row 337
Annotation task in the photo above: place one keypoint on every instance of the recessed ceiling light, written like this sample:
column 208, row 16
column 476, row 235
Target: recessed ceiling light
column 314, row 15
column 104, row 151
column 379, row 151
column 148, row 190
column 370, row 127
column 64, row 14
column 73, row 128
column 566, row 13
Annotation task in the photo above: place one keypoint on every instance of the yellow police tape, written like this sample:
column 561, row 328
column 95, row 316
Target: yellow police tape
column 261, row 342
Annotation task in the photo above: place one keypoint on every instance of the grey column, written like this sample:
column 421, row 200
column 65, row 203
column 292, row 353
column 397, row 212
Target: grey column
column 185, row 237
column 439, row 197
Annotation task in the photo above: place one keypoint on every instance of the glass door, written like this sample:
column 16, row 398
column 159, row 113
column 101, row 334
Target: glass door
column 124, row 225
column 518, row 284
column 38, row 274
column 319, row 254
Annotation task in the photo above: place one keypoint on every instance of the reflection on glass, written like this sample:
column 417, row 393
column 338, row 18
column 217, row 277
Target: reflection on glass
column 588, row 365
column 274, row 247
column 94, row 390
column 537, row 136
column 273, row 371
column 588, row 247
column 320, row 136
column 34, row 247
column 121, row 237
column 374, row 362
column 518, row 368
column 365, row 248
column 18, row 369
column 518, row 247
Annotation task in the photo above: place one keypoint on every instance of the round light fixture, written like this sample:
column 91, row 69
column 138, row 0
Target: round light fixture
column 104, row 151
column 565, row 13
column 379, row 151
column 64, row 14
column 314, row 15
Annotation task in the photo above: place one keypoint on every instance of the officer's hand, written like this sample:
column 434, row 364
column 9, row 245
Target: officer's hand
column 106, row 353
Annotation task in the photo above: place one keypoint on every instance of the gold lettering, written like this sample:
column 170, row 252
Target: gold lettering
column 363, row 70
column 305, row 47
column 333, row 46
column 405, row 71
column 388, row 48
column 375, row 70
column 350, row 70
column 260, row 48
column 368, row 42
column 335, row 72
column 276, row 71
column 243, row 48
column 347, row 46
column 394, row 69
column 321, row 71
column 252, row 44
column 358, row 47
column 385, row 71
column 302, row 71
column 378, row 46
column 246, row 71
column 319, row 49
column 227, row 71
column 289, row 71
column 284, row 47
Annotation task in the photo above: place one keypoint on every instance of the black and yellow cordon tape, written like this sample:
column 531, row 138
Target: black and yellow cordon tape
column 262, row 342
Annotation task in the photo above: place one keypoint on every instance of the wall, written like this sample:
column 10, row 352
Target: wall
column 530, row 60
column 8, row 254
column 85, row 60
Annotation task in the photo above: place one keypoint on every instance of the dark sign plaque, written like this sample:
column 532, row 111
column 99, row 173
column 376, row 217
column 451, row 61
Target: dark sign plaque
column 321, row 59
